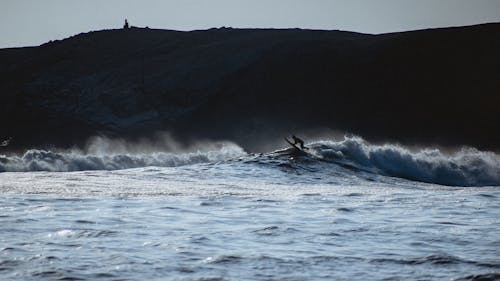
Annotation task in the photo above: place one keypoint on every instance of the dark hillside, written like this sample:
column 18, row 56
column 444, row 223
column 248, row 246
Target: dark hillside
column 437, row 86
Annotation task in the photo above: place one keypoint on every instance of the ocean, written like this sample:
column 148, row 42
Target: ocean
column 344, row 210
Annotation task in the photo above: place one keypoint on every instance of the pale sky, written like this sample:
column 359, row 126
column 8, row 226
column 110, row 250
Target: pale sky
column 33, row 22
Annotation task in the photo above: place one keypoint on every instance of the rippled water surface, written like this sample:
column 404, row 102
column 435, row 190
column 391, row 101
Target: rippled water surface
column 345, row 233
column 252, row 218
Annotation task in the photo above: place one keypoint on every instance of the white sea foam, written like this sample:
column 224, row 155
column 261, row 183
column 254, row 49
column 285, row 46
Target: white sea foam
column 109, row 157
column 466, row 167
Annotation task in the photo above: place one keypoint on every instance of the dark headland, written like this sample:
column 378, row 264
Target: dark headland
column 436, row 87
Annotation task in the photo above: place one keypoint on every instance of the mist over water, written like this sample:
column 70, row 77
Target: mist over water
column 465, row 167
column 115, row 154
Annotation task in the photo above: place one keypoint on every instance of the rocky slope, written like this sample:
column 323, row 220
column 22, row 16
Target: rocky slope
column 438, row 86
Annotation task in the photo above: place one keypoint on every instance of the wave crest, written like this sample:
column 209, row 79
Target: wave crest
column 67, row 161
column 466, row 167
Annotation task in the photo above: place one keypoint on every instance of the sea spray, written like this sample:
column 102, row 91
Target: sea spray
column 107, row 158
column 466, row 167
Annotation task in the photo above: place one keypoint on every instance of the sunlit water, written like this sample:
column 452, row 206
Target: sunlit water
column 253, row 217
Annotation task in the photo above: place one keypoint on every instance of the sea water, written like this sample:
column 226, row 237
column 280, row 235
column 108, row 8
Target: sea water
column 345, row 210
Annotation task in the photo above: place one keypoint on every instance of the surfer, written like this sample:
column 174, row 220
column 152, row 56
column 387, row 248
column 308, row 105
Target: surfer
column 298, row 141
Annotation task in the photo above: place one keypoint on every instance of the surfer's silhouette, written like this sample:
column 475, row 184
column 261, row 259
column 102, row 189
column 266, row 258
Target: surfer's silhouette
column 5, row 142
column 298, row 141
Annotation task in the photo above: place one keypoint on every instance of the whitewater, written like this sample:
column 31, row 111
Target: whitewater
column 345, row 210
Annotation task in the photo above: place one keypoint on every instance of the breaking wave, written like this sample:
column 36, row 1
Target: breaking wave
column 67, row 161
column 466, row 167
